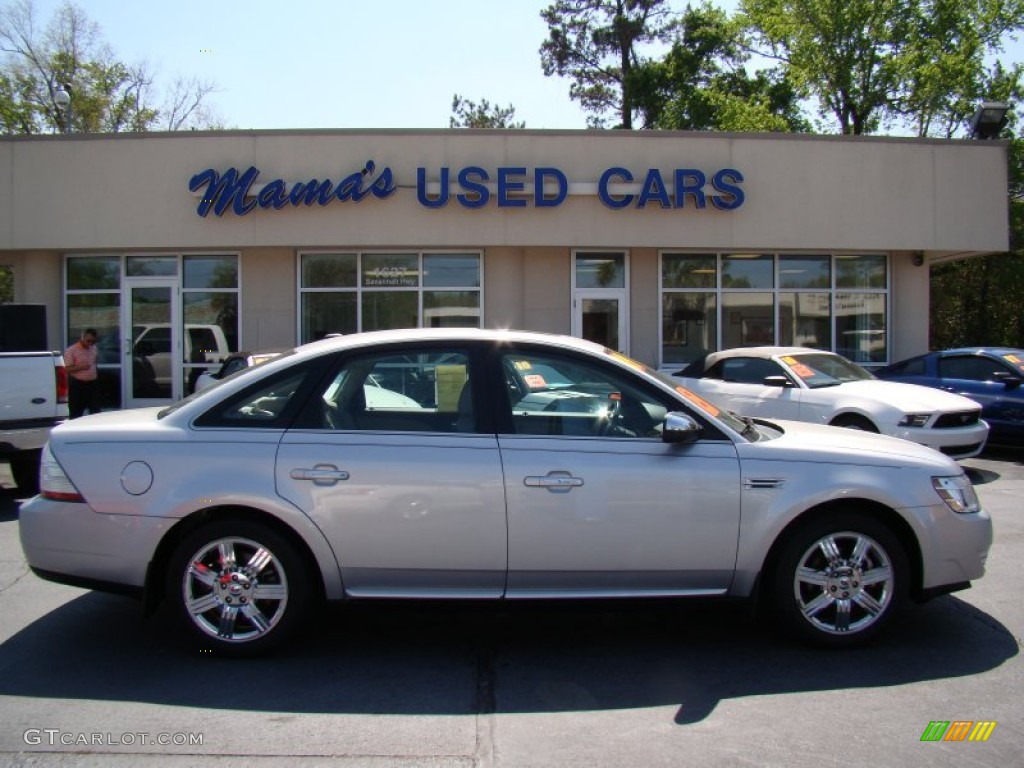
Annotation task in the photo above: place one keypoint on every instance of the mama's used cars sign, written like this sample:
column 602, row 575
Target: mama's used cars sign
column 472, row 187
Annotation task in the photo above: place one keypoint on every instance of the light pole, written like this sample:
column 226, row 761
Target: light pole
column 63, row 101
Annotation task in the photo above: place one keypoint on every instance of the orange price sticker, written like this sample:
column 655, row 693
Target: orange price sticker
column 802, row 371
column 698, row 401
column 535, row 381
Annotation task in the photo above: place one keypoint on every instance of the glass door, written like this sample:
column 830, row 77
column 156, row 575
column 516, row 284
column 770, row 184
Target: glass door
column 601, row 318
column 600, row 298
column 153, row 359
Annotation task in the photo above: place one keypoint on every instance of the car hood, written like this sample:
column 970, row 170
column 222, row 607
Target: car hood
column 802, row 441
column 909, row 398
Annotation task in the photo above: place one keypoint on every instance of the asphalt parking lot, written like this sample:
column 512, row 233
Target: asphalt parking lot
column 85, row 680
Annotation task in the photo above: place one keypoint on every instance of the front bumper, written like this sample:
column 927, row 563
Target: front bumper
column 955, row 442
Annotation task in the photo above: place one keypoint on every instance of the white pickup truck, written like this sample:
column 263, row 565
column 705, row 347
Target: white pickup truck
column 33, row 399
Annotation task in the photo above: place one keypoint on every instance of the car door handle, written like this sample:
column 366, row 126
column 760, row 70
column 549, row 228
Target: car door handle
column 555, row 482
column 321, row 474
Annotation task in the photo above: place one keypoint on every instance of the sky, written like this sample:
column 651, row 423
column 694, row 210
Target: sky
column 348, row 63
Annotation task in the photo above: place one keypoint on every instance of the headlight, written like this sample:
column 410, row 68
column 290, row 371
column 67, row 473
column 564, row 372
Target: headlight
column 958, row 493
column 915, row 420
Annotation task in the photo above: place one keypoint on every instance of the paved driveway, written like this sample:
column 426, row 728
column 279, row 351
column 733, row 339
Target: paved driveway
column 84, row 680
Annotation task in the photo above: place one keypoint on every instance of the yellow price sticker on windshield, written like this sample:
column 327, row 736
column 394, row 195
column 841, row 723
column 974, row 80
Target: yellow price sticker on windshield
column 1011, row 358
column 522, row 365
column 789, row 360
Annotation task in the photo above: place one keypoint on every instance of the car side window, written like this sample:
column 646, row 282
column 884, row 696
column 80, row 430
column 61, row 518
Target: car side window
column 746, row 370
column 414, row 391
column 269, row 404
column 970, row 367
column 553, row 395
column 913, row 367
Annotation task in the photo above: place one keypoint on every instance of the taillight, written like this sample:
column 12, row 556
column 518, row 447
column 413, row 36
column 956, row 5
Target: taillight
column 61, row 373
column 53, row 482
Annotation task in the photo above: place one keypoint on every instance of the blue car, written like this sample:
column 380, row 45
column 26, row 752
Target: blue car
column 989, row 375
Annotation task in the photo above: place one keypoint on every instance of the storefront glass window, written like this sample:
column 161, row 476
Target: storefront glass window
column 683, row 270
column 451, row 271
column 861, row 271
column 391, row 270
column 382, row 310
column 151, row 266
column 388, row 290
column 805, row 272
column 210, row 272
column 90, row 273
column 451, row 309
column 689, row 326
column 329, row 270
column 748, row 319
column 835, row 302
column 861, row 327
column 600, row 270
column 805, row 320
column 748, row 271
column 328, row 312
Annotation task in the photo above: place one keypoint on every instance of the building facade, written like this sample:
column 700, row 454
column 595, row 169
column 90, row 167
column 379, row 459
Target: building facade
column 181, row 247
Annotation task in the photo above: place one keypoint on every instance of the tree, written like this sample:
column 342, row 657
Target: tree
column 703, row 83
column 469, row 114
column 880, row 63
column 6, row 284
column 69, row 54
column 595, row 43
column 978, row 301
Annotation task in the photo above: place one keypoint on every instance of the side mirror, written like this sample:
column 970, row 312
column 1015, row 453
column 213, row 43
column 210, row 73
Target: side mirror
column 680, row 428
column 777, row 381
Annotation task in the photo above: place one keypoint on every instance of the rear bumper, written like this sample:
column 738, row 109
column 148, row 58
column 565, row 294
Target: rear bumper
column 70, row 543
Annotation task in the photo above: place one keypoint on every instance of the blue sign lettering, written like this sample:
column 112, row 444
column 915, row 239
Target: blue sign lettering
column 233, row 190
column 616, row 188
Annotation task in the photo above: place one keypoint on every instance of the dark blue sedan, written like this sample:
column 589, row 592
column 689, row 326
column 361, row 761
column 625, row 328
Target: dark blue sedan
column 989, row 375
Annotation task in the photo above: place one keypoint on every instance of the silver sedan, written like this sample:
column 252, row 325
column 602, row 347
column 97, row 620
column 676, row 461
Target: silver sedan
column 490, row 464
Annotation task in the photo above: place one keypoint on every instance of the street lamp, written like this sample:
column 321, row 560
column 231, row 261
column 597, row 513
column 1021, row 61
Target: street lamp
column 63, row 101
column 989, row 120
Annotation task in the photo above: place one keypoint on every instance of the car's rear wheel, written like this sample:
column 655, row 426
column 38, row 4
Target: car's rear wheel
column 839, row 580
column 239, row 587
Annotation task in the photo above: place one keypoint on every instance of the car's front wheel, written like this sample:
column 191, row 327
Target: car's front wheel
column 839, row 580
column 239, row 587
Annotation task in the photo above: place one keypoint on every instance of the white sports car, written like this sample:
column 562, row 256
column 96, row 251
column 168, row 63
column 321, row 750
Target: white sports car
column 513, row 466
column 802, row 384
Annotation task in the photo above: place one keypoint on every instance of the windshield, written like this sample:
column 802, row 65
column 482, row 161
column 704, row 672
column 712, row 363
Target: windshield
column 825, row 370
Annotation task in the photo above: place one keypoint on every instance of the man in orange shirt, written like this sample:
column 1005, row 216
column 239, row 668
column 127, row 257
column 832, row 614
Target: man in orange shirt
column 83, row 379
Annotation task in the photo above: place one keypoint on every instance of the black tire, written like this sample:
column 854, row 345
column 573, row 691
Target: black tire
column 853, row 421
column 254, row 602
column 25, row 471
column 839, row 580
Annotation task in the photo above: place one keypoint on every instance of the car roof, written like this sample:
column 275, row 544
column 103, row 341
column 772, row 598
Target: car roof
column 982, row 351
column 766, row 353
column 355, row 340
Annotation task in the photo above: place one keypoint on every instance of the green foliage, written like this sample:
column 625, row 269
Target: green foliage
column 68, row 54
column 469, row 114
column 874, row 64
column 979, row 301
column 703, row 84
column 595, row 44
column 6, row 284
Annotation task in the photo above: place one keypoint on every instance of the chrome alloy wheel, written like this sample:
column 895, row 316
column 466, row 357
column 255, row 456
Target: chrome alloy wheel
column 235, row 589
column 844, row 582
